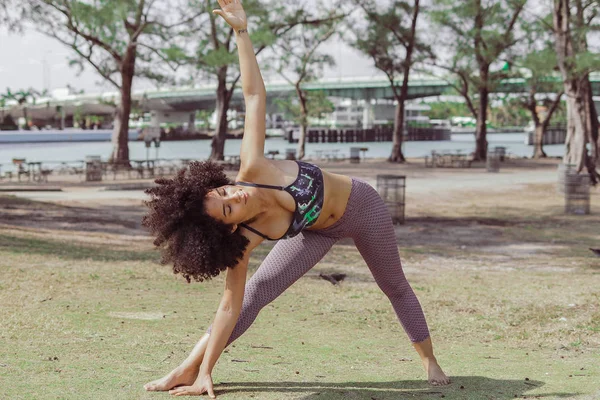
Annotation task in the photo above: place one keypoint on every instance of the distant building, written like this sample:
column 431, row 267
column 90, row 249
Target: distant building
column 363, row 114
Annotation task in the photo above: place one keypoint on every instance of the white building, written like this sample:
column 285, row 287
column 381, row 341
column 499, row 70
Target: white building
column 363, row 114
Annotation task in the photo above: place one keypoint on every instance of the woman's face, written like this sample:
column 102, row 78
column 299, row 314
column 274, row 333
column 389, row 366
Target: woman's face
column 228, row 204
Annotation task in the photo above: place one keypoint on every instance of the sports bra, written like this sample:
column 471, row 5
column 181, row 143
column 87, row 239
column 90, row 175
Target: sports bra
column 307, row 191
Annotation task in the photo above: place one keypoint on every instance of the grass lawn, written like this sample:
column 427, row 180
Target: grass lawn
column 510, row 290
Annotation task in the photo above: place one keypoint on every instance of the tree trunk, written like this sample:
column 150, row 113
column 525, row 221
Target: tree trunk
column 538, row 141
column 192, row 124
column 397, row 156
column 575, row 153
column 481, row 127
column 582, row 119
column 303, row 122
column 398, row 137
column 593, row 125
column 120, row 135
column 222, row 106
column 540, row 126
column 26, row 127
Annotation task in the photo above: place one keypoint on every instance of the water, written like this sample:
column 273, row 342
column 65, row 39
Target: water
column 200, row 149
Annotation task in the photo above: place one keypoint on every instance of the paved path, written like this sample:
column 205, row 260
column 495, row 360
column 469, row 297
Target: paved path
column 418, row 182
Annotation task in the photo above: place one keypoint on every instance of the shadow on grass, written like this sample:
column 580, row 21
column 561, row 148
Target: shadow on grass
column 110, row 219
column 462, row 387
column 70, row 250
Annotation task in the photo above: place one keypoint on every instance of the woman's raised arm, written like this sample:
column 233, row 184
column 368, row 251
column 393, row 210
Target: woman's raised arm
column 253, row 87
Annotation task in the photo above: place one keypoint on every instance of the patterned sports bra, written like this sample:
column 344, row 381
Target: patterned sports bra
column 307, row 191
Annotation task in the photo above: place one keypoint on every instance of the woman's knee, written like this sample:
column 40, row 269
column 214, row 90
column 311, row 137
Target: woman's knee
column 394, row 288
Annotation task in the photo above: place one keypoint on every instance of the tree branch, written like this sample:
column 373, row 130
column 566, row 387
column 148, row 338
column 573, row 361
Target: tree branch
column 71, row 26
column 165, row 60
column 552, row 108
column 87, row 57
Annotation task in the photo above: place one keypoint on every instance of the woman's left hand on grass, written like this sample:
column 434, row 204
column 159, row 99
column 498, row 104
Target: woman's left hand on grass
column 203, row 384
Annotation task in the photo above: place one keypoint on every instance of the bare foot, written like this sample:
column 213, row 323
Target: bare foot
column 178, row 377
column 435, row 375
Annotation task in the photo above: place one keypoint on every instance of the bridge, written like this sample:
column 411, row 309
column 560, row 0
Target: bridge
column 184, row 100
column 359, row 88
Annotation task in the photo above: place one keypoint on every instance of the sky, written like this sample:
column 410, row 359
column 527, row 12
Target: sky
column 31, row 59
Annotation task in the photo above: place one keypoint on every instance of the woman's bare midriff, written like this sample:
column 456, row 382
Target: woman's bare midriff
column 337, row 192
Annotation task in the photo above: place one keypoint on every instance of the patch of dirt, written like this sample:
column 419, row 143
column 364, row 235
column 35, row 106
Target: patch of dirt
column 523, row 249
column 148, row 316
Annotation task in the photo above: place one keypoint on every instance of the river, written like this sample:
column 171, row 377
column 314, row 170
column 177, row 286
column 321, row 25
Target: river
column 200, row 149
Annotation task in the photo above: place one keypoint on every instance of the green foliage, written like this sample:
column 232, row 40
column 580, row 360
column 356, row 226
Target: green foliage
column 448, row 109
column 299, row 61
column 298, row 55
column 11, row 14
column 204, row 116
column 477, row 38
column 22, row 96
column 109, row 34
column 317, row 105
column 509, row 113
column 209, row 48
column 536, row 64
column 473, row 28
column 385, row 35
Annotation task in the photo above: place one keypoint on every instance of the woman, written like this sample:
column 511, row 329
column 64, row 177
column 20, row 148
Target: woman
column 207, row 225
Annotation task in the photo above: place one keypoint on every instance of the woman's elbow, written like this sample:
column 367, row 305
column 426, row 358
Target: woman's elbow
column 255, row 95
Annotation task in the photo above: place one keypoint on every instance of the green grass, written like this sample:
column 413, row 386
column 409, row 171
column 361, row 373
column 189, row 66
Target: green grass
column 84, row 320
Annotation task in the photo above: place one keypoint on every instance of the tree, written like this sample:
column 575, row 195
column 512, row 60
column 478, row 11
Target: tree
column 572, row 22
column 447, row 109
column 22, row 97
column 507, row 111
column 11, row 13
column 298, row 57
column 4, row 97
column 544, row 89
column 212, row 52
column 390, row 39
column 216, row 57
column 536, row 64
column 120, row 39
column 477, row 35
column 316, row 106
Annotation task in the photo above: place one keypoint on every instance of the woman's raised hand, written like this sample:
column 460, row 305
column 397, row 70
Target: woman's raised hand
column 233, row 13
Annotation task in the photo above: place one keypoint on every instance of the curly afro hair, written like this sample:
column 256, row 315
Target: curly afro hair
column 199, row 246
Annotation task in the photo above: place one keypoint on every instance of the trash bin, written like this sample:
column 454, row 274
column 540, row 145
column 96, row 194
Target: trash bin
column 493, row 162
column 290, row 154
column 563, row 171
column 355, row 155
column 577, row 193
column 501, row 151
column 391, row 188
column 93, row 168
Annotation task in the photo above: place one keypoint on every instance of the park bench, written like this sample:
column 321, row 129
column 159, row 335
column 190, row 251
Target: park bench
column 144, row 167
column 37, row 172
column 447, row 160
column 22, row 168
column 116, row 168
column 164, row 167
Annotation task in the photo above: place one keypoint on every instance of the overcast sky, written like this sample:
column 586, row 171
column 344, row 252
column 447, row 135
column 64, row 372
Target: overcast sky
column 34, row 60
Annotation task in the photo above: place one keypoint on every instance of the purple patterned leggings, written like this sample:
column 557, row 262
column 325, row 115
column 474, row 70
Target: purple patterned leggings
column 367, row 221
